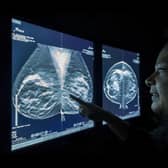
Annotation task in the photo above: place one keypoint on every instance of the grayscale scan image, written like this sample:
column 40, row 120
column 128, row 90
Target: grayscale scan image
column 120, row 84
column 42, row 87
column 48, row 66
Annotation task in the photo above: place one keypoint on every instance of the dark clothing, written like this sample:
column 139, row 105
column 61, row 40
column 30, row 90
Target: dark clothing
column 155, row 141
column 160, row 137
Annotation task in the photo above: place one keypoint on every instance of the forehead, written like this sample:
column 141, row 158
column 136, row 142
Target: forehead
column 163, row 56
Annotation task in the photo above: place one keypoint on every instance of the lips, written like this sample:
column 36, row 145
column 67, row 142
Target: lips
column 154, row 93
column 155, row 96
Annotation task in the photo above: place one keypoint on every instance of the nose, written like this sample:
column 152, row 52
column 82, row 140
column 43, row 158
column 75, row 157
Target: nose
column 150, row 80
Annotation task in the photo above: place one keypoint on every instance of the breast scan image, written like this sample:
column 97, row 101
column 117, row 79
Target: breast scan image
column 47, row 67
column 42, row 87
column 121, row 81
column 120, row 84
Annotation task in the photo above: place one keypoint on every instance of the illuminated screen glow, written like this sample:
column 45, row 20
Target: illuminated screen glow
column 47, row 66
column 120, row 82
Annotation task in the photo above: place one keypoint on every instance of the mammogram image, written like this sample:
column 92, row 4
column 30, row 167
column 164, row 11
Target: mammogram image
column 42, row 87
column 120, row 84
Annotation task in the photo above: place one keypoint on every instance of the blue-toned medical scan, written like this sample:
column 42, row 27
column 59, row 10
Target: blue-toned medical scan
column 121, row 82
column 47, row 66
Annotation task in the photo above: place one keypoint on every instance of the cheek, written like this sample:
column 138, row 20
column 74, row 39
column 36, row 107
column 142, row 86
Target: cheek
column 164, row 85
column 163, row 92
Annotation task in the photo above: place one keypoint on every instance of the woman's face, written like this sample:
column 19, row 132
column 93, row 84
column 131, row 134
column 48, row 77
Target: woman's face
column 158, row 83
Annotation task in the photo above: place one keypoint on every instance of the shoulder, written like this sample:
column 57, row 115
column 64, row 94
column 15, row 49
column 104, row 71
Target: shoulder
column 159, row 137
column 139, row 141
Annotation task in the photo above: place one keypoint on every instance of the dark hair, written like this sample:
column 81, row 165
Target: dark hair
column 166, row 45
column 164, row 49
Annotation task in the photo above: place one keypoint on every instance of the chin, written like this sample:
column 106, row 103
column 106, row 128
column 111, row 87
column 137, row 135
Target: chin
column 156, row 108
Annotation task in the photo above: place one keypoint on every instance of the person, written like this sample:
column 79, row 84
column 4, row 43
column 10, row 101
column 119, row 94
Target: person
column 155, row 139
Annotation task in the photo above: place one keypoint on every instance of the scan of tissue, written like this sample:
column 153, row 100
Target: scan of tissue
column 42, row 87
column 120, row 84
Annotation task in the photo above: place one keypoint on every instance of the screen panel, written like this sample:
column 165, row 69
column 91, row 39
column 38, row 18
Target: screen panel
column 47, row 65
column 120, row 82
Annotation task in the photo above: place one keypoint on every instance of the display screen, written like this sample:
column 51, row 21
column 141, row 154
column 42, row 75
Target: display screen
column 47, row 66
column 120, row 82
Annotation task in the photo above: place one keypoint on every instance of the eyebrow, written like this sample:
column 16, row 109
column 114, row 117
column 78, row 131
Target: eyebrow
column 162, row 65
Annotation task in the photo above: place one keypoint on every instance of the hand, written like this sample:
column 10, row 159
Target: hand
column 89, row 110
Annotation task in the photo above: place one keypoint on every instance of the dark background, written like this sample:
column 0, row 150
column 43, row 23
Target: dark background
column 127, row 29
